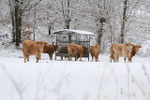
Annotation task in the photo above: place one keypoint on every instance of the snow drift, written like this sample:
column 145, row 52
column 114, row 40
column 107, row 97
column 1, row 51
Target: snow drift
column 65, row 80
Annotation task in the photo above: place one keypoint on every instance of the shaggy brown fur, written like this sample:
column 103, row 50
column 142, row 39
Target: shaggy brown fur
column 49, row 49
column 32, row 48
column 134, row 51
column 120, row 50
column 75, row 50
column 95, row 51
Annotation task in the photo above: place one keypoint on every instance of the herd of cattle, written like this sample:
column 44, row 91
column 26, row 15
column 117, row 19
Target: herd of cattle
column 117, row 50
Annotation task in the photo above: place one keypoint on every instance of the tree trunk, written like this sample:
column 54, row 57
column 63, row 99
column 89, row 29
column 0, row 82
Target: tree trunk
column 20, row 25
column 66, row 13
column 100, row 34
column 123, row 22
column 67, row 21
column 34, row 24
column 49, row 29
column 17, row 21
column 13, row 27
column 11, row 5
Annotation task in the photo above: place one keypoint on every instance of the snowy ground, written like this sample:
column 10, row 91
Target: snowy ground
column 66, row 80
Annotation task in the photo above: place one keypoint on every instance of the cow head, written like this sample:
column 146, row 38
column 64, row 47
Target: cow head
column 136, row 48
column 40, row 45
column 134, row 51
column 45, row 43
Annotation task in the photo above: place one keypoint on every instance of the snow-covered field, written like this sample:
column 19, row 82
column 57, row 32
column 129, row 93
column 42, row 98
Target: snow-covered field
column 72, row 80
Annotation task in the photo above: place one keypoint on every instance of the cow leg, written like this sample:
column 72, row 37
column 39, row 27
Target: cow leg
column 81, row 57
column 27, row 56
column 110, row 59
column 129, row 59
column 69, row 56
column 77, row 57
column 50, row 56
column 92, row 58
column 125, row 59
column 96, row 58
column 116, row 58
column 40, row 57
column 113, row 60
column 37, row 59
column 24, row 57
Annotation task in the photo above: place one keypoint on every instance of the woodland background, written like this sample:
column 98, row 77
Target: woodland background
column 112, row 21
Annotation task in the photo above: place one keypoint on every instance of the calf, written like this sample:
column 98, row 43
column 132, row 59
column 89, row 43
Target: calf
column 32, row 48
column 75, row 50
column 95, row 51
